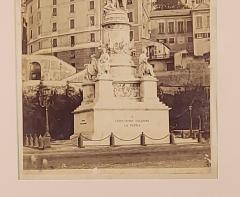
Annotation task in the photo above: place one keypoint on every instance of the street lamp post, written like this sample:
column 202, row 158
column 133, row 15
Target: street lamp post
column 190, row 115
column 45, row 102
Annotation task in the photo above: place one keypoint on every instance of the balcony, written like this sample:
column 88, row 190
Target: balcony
column 159, row 56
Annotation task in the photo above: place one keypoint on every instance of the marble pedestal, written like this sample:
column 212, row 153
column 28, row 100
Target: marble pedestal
column 125, row 118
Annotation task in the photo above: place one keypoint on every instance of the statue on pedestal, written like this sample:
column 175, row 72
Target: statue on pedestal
column 103, row 65
column 122, row 3
column 91, row 69
column 145, row 69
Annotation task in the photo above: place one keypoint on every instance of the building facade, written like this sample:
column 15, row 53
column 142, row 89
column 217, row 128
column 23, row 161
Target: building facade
column 201, row 29
column 45, row 68
column 183, row 29
column 194, row 3
column 71, row 29
column 23, row 27
column 174, row 28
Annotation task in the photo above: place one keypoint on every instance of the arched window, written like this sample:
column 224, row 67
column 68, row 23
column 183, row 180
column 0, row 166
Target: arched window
column 35, row 73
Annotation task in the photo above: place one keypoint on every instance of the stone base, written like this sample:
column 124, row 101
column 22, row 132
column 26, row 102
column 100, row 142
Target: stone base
column 125, row 120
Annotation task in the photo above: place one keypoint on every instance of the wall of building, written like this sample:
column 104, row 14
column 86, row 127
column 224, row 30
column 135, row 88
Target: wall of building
column 176, row 40
column 201, row 33
column 51, row 68
column 193, row 3
column 43, row 18
column 40, row 21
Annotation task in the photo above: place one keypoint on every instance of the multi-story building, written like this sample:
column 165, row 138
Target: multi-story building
column 24, row 27
column 174, row 28
column 201, row 29
column 71, row 29
column 183, row 29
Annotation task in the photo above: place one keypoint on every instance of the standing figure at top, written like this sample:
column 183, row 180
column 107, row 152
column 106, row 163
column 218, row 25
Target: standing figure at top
column 111, row 4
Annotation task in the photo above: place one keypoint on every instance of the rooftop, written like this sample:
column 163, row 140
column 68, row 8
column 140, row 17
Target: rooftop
column 202, row 6
column 167, row 13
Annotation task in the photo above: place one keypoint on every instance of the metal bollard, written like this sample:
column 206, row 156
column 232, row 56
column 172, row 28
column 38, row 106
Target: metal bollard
column 80, row 141
column 194, row 135
column 47, row 141
column 35, row 141
column 183, row 135
column 26, row 141
column 112, row 140
column 41, row 142
column 142, row 139
column 31, row 141
column 200, row 139
column 172, row 138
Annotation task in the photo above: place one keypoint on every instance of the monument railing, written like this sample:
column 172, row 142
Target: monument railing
column 37, row 142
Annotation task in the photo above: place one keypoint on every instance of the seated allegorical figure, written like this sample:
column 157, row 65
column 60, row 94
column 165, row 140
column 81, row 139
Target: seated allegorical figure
column 91, row 69
column 145, row 69
column 103, row 65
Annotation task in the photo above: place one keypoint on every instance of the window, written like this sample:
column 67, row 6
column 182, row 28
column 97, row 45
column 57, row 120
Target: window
column 92, row 21
column 190, row 39
column 31, row 19
column 130, row 16
column 31, row 9
column 161, row 28
column 171, row 40
column 92, row 37
column 54, row 12
column 180, row 27
column 31, row 34
column 72, row 8
column 189, row 26
column 54, row 2
column 171, row 27
column 129, row 2
column 39, row 30
column 208, row 21
column 199, row 1
column 72, row 24
column 39, row 45
column 93, row 50
column 54, row 42
column 54, row 27
column 198, row 22
column 131, row 35
column 38, row 3
column 72, row 54
column 170, row 66
column 91, row 5
column 35, row 71
column 31, row 49
column 39, row 16
column 72, row 41
column 202, row 35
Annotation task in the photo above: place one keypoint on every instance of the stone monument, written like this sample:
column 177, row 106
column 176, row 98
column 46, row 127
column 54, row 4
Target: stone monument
column 118, row 96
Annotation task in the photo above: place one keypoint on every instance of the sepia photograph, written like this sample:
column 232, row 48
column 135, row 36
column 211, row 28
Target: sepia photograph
column 117, row 89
